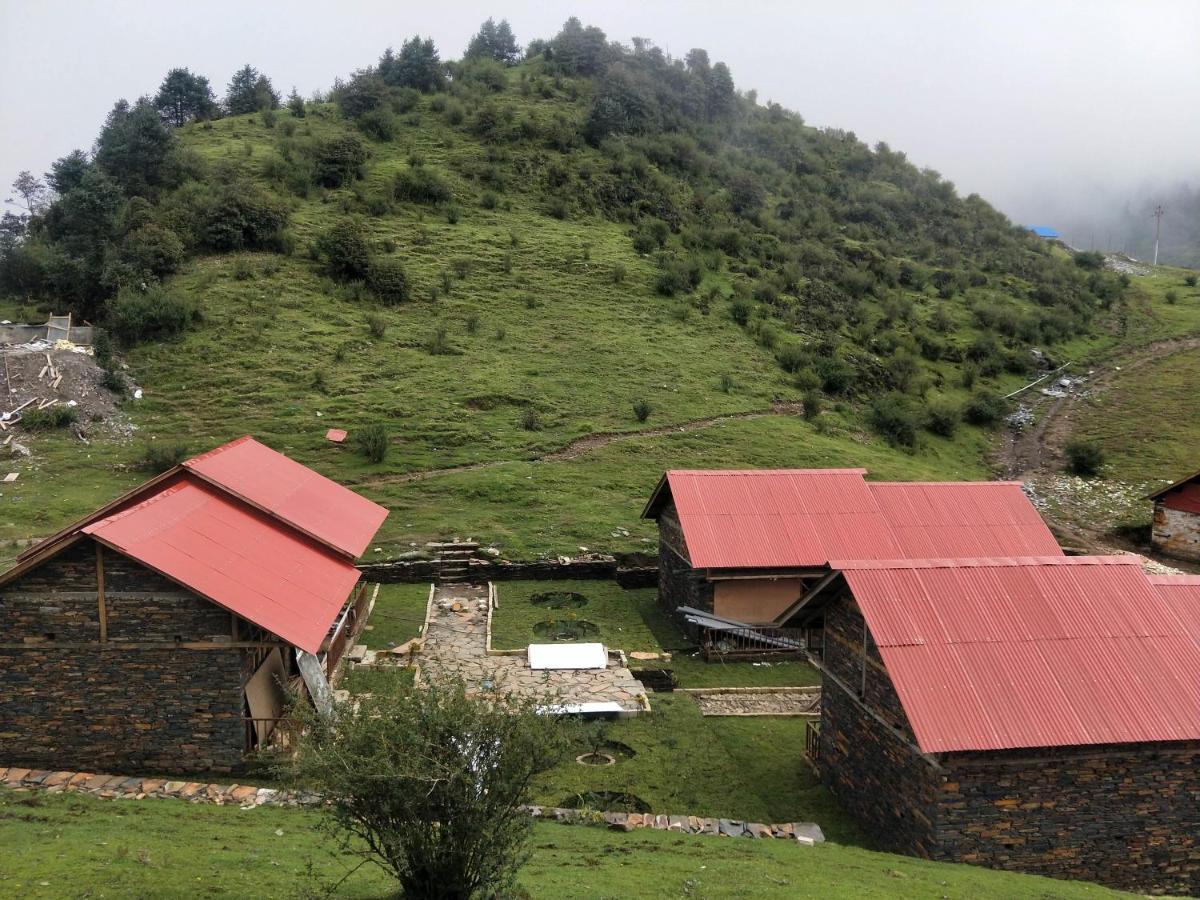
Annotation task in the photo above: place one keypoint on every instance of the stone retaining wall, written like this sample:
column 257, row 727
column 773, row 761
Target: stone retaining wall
column 246, row 796
column 418, row 570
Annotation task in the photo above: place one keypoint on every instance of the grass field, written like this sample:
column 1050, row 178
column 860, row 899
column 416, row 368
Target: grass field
column 57, row 846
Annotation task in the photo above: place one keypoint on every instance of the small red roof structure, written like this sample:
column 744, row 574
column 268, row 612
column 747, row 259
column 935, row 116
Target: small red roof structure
column 993, row 654
column 245, row 527
column 336, row 435
column 788, row 518
column 1183, row 494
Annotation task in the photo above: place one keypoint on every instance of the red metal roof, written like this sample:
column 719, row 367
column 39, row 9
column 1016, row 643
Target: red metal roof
column 237, row 557
column 295, row 494
column 804, row 517
column 1182, row 594
column 993, row 654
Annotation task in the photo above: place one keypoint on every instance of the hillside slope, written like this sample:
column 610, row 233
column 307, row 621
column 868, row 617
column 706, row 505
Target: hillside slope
column 589, row 296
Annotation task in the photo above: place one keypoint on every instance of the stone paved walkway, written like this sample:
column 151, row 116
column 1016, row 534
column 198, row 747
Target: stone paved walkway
column 788, row 702
column 455, row 644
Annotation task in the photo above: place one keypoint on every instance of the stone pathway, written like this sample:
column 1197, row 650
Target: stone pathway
column 759, row 702
column 455, row 644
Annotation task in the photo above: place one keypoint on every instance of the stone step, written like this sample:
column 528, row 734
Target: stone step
column 357, row 652
column 455, row 554
column 438, row 546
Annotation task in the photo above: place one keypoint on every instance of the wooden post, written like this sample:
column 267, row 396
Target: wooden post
column 100, row 593
column 862, row 690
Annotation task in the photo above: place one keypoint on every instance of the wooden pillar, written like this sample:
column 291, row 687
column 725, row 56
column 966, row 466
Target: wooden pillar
column 100, row 593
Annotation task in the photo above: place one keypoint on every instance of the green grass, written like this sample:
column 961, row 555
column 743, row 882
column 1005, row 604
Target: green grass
column 632, row 620
column 398, row 615
column 737, row 767
column 67, row 845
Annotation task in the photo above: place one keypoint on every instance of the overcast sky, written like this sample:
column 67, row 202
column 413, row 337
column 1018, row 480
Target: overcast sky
column 1032, row 103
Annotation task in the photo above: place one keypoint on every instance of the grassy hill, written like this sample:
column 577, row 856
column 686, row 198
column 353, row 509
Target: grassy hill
column 581, row 310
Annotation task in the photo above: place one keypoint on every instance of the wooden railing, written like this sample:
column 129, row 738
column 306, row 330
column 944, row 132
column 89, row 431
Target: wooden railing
column 753, row 641
column 346, row 628
column 812, row 741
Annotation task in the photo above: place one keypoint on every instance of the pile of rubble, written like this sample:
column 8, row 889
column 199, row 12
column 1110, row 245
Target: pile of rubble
column 1125, row 265
column 39, row 375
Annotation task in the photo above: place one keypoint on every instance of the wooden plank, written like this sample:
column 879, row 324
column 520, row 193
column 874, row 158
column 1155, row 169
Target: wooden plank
column 100, row 593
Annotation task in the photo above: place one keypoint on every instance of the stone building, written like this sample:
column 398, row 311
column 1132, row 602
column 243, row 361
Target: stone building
column 1175, row 529
column 1040, row 715
column 158, row 633
column 747, row 545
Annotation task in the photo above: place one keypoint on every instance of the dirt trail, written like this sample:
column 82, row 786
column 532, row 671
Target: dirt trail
column 590, row 442
column 1035, row 456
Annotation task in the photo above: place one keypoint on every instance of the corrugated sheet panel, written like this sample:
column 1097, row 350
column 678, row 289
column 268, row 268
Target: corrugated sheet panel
column 991, row 654
column 806, row 517
column 237, row 557
column 295, row 494
column 1181, row 593
column 1184, row 499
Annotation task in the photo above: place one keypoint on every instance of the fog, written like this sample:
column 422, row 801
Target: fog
column 1057, row 112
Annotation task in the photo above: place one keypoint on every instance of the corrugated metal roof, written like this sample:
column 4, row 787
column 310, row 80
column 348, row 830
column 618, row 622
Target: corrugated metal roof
column 1182, row 594
column 295, row 494
column 991, row 654
column 237, row 557
column 805, row 517
column 1195, row 476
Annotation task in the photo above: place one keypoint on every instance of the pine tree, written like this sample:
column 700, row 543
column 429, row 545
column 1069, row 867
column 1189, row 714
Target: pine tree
column 184, row 96
column 250, row 91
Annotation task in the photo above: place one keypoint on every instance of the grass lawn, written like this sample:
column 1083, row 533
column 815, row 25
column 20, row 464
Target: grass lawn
column 631, row 620
column 749, row 768
column 398, row 615
column 64, row 845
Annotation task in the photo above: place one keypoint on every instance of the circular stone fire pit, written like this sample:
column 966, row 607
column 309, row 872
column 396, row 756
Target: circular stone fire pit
column 606, row 801
column 559, row 600
column 565, row 629
column 606, row 753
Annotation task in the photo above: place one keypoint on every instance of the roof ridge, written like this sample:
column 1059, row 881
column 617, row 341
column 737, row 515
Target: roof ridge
column 216, row 451
column 982, row 562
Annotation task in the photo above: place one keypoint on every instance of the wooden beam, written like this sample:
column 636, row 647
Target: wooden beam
column 100, row 593
column 144, row 645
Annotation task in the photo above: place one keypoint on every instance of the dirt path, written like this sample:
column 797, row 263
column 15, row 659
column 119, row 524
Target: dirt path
column 590, row 442
column 1035, row 456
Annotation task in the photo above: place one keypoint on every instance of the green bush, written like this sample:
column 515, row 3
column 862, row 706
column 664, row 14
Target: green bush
column 944, row 416
column 388, row 280
column 377, row 325
column 102, row 348
column 811, row 405
column 985, row 408
column 1190, row 280
column 373, row 442
column 345, row 251
column 417, row 184
column 642, row 410
column 154, row 314
column 45, row 419
column 1172, row 297
column 160, row 456
column 378, row 124
column 241, row 216
column 438, row 342
column 740, row 310
column 898, row 418
column 529, row 419
column 1084, row 458
column 339, row 160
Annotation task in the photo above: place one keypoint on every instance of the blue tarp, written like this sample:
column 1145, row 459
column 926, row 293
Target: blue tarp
column 1044, row 231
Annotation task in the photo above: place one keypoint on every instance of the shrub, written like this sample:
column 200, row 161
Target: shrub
column 158, row 457
column 438, row 342
column 472, row 323
column 1190, row 280
column 944, row 416
column 837, row 375
column 417, row 184
column 378, row 124
column 529, row 419
column 452, row 214
column 489, row 200
column 388, row 280
column 373, row 442
column 726, row 383
column 151, row 315
column 617, row 274
column 102, row 348
column 739, row 310
column 557, row 208
column 985, row 408
column 897, row 417
column 811, row 405
column 339, row 160
column 1084, row 458
column 793, row 357
column 1172, row 297
column 241, row 216
column 115, row 382
column 641, row 410
column 46, row 419
column 377, row 325
column 345, row 251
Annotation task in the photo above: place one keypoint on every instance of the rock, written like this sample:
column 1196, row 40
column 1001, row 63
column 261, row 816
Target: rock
column 676, row 823
column 15, row 776
column 809, row 832
column 729, row 827
column 173, row 787
column 241, row 793
column 661, row 823
column 758, row 830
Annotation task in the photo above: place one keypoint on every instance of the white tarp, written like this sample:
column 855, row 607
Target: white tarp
column 567, row 656
column 591, row 708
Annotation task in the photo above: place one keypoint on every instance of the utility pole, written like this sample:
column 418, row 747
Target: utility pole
column 1158, row 214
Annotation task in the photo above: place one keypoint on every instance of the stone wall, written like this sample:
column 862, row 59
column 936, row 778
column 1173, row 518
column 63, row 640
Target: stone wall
column 1127, row 815
column 67, row 700
column 868, row 756
column 1175, row 532
column 424, row 570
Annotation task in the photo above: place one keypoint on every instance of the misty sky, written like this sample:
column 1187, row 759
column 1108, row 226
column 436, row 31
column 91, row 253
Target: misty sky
column 1039, row 106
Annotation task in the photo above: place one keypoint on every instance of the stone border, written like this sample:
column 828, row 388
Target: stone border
column 247, row 796
column 814, row 689
column 480, row 569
